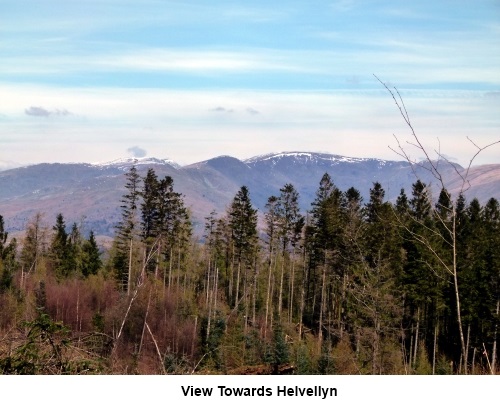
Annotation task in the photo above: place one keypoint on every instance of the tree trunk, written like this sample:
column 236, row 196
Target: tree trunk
column 129, row 276
column 254, row 293
column 455, row 285
column 170, row 267
column 236, row 298
column 434, row 348
column 494, row 354
column 302, row 298
column 268, row 297
column 322, row 308
column 280, row 296
column 417, row 330
column 466, row 358
column 290, row 294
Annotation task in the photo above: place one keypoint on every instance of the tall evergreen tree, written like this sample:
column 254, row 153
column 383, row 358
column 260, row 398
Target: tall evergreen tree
column 8, row 261
column 60, row 253
column 290, row 224
column 491, row 217
column 126, row 230
column 243, row 224
column 150, row 218
column 91, row 257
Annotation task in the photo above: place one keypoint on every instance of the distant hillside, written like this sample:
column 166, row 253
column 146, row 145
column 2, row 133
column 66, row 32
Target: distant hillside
column 91, row 193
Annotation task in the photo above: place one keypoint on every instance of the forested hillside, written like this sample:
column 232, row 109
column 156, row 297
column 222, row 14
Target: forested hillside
column 348, row 286
column 88, row 193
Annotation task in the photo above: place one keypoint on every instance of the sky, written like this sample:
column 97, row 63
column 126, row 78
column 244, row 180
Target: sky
column 94, row 81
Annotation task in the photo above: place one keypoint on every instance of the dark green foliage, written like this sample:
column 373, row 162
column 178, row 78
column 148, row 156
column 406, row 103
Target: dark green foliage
column 277, row 352
column 243, row 224
column 325, row 361
column 60, row 249
column 126, row 229
column 43, row 351
column 8, row 262
column 91, row 257
column 348, row 287
column 211, row 346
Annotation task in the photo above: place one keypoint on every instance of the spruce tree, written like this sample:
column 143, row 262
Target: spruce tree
column 60, row 253
column 8, row 261
column 91, row 262
column 243, row 225
column 126, row 230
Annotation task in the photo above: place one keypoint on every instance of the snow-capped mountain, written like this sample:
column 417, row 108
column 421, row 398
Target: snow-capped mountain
column 304, row 157
column 92, row 192
column 126, row 163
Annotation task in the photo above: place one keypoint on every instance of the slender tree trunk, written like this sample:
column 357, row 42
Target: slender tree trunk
column 417, row 330
column 129, row 276
column 434, row 348
column 473, row 360
column 207, row 285
column 455, row 285
column 410, row 360
column 342, row 305
column 144, row 325
column 466, row 358
column 231, row 275
column 280, row 296
column 302, row 298
column 268, row 297
column 245, row 298
column 495, row 335
column 170, row 268
column 208, row 302
column 216, row 286
column 376, row 369
column 158, row 259
column 178, row 282
column 254, row 293
column 322, row 308
column 236, row 299
column 290, row 294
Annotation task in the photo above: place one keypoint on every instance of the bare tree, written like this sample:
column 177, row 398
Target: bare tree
column 434, row 167
column 449, row 220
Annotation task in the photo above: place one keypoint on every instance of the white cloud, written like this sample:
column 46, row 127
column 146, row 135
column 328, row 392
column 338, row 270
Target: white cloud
column 182, row 125
column 137, row 152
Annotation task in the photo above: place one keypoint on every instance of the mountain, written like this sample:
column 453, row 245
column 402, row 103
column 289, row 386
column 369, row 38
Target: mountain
column 91, row 193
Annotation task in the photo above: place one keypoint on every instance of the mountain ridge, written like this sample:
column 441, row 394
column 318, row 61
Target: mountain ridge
column 91, row 192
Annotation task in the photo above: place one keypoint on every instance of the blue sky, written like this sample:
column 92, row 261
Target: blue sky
column 91, row 81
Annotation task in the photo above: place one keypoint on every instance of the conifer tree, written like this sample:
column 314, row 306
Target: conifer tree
column 8, row 261
column 243, row 225
column 126, row 230
column 491, row 217
column 60, row 253
column 290, row 224
column 91, row 257
column 150, row 218
column 33, row 247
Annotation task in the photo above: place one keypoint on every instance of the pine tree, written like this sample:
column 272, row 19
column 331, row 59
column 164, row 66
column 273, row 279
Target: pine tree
column 33, row 247
column 491, row 217
column 126, row 230
column 150, row 218
column 324, row 241
column 91, row 261
column 60, row 253
column 290, row 224
column 272, row 223
column 8, row 261
column 243, row 225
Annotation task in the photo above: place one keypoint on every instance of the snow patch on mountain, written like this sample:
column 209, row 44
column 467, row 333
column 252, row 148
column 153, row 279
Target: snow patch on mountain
column 126, row 163
column 304, row 157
